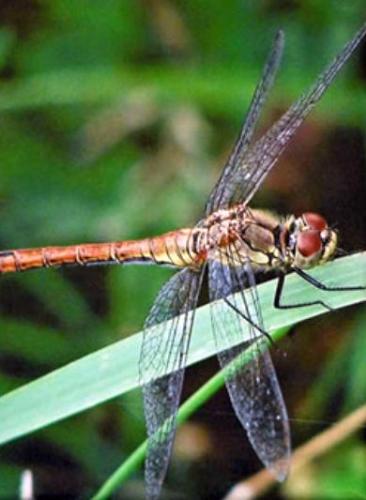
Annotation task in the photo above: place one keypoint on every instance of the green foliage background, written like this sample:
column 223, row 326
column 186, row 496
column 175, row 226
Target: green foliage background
column 115, row 119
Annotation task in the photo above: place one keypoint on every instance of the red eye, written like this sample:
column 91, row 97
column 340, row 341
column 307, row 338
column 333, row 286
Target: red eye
column 309, row 243
column 315, row 221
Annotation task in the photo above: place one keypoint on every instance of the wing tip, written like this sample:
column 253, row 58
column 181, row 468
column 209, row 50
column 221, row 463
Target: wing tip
column 280, row 469
column 280, row 36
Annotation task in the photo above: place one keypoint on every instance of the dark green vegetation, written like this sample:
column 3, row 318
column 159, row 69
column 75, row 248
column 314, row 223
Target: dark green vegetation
column 116, row 118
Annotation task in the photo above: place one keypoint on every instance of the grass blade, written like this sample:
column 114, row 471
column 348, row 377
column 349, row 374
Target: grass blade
column 112, row 371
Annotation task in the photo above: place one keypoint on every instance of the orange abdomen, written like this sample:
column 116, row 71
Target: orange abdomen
column 174, row 248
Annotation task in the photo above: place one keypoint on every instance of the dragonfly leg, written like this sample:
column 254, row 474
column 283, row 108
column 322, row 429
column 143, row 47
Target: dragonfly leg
column 278, row 294
column 321, row 286
column 250, row 321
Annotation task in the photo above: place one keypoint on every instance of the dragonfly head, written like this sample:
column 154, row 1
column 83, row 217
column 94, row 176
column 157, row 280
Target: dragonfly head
column 310, row 240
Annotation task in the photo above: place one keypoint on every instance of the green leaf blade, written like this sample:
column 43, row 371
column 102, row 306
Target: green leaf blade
column 112, row 371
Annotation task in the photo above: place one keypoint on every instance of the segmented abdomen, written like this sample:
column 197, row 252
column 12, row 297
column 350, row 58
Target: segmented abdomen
column 175, row 248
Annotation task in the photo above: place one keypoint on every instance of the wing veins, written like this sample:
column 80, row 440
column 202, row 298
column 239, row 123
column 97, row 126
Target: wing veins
column 258, row 160
column 253, row 386
column 259, row 97
column 176, row 301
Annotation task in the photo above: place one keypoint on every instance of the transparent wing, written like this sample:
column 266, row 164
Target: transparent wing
column 164, row 348
column 252, row 385
column 255, row 164
column 261, row 92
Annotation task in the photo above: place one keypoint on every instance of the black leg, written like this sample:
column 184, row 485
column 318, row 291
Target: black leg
column 321, row 286
column 277, row 299
column 251, row 322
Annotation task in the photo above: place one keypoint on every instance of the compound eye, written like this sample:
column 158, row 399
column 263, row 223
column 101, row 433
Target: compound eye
column 309, row 243
column 315, row 221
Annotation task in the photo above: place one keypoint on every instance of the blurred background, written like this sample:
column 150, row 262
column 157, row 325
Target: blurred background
column 116, row 118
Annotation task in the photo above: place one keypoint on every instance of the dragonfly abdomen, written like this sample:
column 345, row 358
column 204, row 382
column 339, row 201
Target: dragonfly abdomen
column 57, row 256
column 174, row 249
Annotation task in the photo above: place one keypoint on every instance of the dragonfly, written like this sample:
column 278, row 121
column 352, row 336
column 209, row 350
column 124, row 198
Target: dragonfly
column 229, row 245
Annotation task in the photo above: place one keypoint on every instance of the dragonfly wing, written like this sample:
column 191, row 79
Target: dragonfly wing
column 260, row 94
column 164, row 349
column 251, row 380
column 253, row 166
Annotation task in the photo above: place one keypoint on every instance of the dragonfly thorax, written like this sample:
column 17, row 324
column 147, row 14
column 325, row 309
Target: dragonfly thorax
column 307, row 241
column 239, row 235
